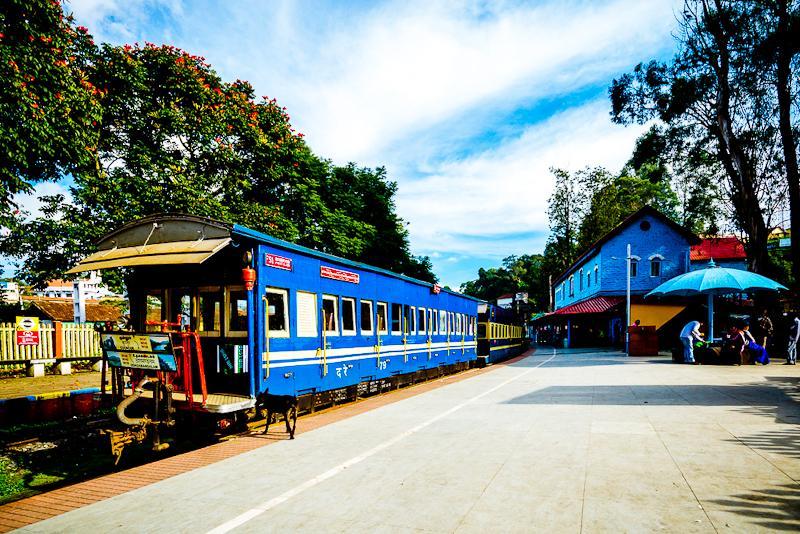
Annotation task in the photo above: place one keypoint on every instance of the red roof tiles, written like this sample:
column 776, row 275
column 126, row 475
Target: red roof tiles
column 718, row 248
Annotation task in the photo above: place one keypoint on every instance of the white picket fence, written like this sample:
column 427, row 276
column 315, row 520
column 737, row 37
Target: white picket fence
column 56, row 340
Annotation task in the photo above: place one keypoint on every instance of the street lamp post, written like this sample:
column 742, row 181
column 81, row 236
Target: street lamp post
column 628, row 301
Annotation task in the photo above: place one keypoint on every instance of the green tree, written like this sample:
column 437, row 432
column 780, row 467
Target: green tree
column 617, row 198
column 49, row 107
column 174, row 137
column 566, row 208
column 709, row 101
column 518, row 274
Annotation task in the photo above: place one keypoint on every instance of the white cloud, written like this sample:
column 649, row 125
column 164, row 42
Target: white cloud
column 503, row 191
column 32, row 205
column 432, row 90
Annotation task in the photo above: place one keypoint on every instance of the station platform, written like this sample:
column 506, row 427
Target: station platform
column 47, row 398
column 48, row 387
column 29, row 511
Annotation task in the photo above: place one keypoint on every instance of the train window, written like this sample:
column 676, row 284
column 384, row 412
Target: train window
column 482, row 330
column 155, row 310
column 278, row 301
column 366, row 317
column 412, row 320
column 451, row 318
column 209, row 318
column 458, row 323
column 237, row 312
column 348, row 316
column 330, row 314
column 182, row 308
column 434, row 322
column 442, row 322
column 397, row 313
column 306, row 314
column 421, row 323
column 382, row 322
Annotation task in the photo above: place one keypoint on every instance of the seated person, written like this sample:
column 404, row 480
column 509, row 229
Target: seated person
column 743, row 340
column 758, row 354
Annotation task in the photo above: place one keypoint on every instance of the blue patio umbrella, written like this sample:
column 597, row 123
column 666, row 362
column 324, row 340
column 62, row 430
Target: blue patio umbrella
column 714, row 280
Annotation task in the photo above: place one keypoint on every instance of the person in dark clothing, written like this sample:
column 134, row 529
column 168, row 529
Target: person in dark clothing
column 765, row 328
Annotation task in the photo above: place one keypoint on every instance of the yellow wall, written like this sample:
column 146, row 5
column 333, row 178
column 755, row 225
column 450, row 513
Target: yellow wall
column 654, row 314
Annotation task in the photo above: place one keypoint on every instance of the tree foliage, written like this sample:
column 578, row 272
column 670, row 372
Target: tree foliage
column 172, row 136
column 715, row 107
column 518, row 274
column 49, row 107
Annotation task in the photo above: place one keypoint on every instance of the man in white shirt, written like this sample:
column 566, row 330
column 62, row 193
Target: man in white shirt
column 794, row 337
column 690, row 333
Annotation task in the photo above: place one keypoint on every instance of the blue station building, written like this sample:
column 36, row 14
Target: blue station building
column 589, row 298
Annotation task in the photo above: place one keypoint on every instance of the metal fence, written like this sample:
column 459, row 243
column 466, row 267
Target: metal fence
column 56, row 341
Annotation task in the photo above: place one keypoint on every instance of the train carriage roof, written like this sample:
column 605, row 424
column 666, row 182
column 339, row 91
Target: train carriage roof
column 176, row 238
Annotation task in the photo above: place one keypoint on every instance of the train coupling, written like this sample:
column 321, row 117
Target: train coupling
column 120, row 438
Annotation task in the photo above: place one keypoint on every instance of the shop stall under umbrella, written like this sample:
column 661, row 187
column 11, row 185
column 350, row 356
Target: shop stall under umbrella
column 714, row 280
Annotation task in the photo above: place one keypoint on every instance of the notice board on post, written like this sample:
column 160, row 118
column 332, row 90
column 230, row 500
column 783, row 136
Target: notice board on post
column 153, row 351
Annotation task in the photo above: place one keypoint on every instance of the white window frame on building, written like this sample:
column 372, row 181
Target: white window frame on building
column 655, row 263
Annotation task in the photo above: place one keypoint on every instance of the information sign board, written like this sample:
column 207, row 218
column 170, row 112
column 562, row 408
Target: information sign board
column 27, row 329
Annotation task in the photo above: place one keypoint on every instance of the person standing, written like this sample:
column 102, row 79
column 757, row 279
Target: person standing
column 690, row 333
column 794, row 337
column 765, row 328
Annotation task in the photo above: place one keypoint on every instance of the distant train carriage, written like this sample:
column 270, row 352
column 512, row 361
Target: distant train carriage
column 499, row 335
column 248, row 313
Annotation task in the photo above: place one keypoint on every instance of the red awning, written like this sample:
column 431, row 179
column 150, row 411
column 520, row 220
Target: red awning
column 595, row 305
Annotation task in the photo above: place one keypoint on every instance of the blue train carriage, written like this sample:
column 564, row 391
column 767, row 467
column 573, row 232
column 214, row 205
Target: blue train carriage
column 501, row 335
column 271, row 315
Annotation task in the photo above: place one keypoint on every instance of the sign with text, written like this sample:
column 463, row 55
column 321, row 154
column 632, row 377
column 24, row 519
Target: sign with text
column 436, row 289
column 27, row 330
column 278, row 262
column 338, row 274
column 152, row 351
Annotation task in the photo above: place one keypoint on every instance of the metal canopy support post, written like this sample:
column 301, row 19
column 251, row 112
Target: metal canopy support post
column 710, row 317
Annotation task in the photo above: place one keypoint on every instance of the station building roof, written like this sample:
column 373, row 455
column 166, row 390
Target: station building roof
column 718, row 248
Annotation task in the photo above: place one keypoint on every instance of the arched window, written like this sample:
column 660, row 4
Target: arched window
column 596, row 274
column 571, row 286
column 580, row 279
column 655, row 264
column 589, row 279
column 634, row 267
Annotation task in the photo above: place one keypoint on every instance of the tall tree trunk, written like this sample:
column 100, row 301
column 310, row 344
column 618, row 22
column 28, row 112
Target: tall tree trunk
column 735, row 161
column 783, row 86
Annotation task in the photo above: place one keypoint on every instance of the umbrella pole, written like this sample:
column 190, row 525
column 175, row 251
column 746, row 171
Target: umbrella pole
column 710, row 317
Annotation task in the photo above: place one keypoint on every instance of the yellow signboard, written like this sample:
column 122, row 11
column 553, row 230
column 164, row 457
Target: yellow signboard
column 127, row 342
column 139, row 360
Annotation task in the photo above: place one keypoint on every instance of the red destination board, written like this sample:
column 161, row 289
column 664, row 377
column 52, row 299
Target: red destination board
column 338, row 274
column 278, row 262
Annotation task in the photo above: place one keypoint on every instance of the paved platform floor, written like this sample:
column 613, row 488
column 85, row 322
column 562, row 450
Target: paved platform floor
column 22, row 386
column 561, row 441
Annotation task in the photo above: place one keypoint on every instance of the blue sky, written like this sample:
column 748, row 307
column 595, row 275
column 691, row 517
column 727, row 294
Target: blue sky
column 467, row 103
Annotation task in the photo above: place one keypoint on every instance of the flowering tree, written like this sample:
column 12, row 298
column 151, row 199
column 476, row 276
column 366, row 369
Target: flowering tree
column 48, row 106
column 173, row 137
